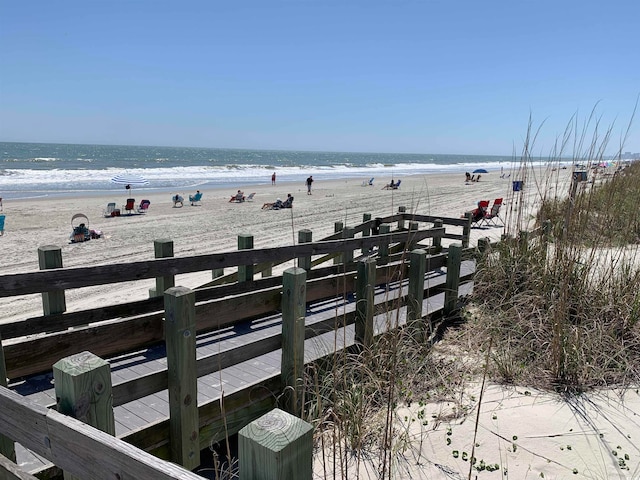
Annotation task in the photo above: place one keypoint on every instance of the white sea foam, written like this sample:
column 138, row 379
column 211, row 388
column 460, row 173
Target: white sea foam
column 62, row 180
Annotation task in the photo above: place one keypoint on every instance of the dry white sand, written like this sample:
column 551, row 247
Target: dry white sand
column 522, row 433
column 529, row 434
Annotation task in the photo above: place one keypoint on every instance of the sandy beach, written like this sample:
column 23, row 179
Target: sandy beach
column 528, row 433
column 213, row 226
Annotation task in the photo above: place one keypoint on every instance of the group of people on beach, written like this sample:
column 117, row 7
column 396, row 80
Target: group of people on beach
column 471, row 178
column 278, row 204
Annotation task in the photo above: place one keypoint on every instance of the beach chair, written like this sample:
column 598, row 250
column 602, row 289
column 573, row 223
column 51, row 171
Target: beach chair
column 196, row 199
column 288, row 203
column 130, row 206
column 144, row 206
column 368, row 184
column 396, row 186
column 492, row 216
column 250, row 197
column 237, row 198
column 110, row 211
column 477, row 214
column 2, row 225
column 178, row 201
column 79, row 228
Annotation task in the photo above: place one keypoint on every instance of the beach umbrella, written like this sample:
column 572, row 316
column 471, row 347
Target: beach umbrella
column 480, row 170
column 129, row 180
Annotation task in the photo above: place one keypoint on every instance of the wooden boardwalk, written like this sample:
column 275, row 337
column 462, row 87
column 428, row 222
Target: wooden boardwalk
column 136, row 415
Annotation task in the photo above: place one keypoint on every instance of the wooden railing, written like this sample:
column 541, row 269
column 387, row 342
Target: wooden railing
column 210, row 308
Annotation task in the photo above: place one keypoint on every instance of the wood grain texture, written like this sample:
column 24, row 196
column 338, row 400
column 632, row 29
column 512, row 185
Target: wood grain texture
column 276, row 446
column 77, row 277
column 180, row 328
column 10, row 471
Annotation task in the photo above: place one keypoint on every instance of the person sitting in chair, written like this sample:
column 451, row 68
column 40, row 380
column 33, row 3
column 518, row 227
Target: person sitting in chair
column 479, row 212
column 277, row 205
column 177, row 199
column 238, row 197
column 288, row 202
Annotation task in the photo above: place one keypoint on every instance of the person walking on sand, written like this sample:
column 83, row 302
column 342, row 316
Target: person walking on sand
column 273, row 178
column 309, row 182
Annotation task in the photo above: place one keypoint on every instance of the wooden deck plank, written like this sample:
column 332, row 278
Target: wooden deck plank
column 128, row 418
column 144, row 408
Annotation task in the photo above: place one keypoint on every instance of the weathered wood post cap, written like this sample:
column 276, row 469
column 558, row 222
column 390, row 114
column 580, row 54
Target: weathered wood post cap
column 278, row 446
column 79, row 363
column 47, row 248
column 295, row 271
column 178, row 291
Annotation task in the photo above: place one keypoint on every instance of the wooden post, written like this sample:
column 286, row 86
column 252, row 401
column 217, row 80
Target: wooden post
column 466, row 230
column 7, row 447
column 162, row 248
column 383, row 249
column 337, row 228
column 365, row 285
column 50, row 256
column 413, row 229
column 347, row 256
column 245, row 272
column 437, row 242
column 83, row 391
column 276, row 446
column 305, row 236
column 267, row 270
column 366, row 231
column 415, row 294
column 217, row 272
column 180, row 338
column 453, row 278
column 402, row 210
column 294, row 302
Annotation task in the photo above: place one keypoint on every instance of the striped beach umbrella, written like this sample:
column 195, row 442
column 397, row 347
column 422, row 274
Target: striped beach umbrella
column 129, row 180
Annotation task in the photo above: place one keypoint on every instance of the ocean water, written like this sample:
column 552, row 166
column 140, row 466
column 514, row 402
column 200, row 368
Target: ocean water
column 44, row 169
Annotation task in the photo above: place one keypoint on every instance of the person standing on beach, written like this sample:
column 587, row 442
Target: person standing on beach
column 309, row 182
column 273, row 178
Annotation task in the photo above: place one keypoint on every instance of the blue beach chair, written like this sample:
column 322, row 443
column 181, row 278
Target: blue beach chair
column 2, row 225
column 196, row 199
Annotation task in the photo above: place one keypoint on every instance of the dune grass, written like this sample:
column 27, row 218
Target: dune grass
column 562, row 304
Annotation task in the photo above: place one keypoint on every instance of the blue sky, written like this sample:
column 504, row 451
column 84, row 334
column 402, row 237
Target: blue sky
column 414, row 76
